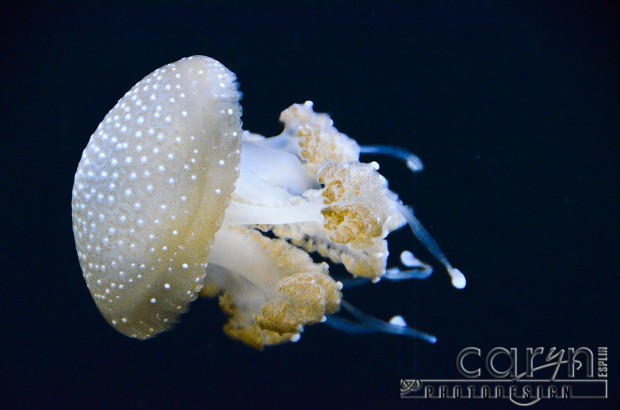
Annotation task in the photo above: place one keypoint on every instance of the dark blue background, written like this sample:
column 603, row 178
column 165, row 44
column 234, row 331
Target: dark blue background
column 514, row 107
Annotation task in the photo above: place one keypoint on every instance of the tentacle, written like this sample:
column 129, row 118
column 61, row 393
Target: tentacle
column 369, row 324
column 458, row 279
column 414, row 163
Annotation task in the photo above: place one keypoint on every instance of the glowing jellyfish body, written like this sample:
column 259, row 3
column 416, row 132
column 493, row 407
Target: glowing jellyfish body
column 172, row 199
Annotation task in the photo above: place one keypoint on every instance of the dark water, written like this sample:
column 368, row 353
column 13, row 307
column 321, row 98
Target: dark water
column 513, row 107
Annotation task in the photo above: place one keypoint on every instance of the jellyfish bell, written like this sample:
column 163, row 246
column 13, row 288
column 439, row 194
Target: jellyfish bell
column 145, row 208
column 173, row 200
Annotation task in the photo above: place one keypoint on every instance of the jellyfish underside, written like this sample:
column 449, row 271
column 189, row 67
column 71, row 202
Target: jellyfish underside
column 308, row 190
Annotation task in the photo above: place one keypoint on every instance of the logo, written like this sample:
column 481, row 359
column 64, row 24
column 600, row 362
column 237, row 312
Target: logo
column 524, row 377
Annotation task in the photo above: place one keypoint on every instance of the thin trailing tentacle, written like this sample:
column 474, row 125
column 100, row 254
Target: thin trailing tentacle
column 369, row 324
column 417, row 269
column 413, row 162
column 458, row 279
column 393, row 275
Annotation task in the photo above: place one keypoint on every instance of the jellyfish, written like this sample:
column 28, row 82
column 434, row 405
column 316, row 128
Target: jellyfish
column 173, row 200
